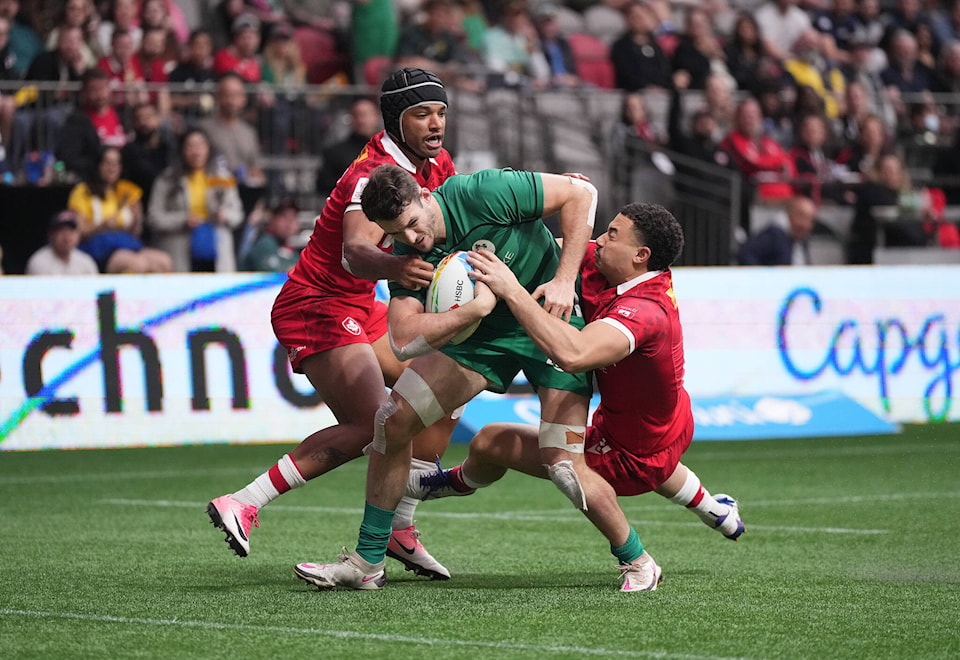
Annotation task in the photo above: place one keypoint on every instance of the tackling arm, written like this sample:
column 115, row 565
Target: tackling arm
column 364, row 259
column 576, row 202
column 575, row 351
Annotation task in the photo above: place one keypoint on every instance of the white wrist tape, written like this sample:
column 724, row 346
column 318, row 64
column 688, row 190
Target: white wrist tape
column 592, row 213
column 415, row 348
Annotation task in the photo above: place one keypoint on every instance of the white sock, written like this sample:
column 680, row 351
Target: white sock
column 271, row 484
column 405, row 511
column 695, row 497
column 408, row 506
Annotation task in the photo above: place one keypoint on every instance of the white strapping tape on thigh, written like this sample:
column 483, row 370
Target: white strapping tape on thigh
column 592, row 213
column 565, row 478
column 418, row 394
column 379, row 443
column 561, row 436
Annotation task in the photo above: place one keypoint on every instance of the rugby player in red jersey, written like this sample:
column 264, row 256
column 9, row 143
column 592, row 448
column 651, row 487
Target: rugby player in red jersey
column 334, row 329
column 633, row 342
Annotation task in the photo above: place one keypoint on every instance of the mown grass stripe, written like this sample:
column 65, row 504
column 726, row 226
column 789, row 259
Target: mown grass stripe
column 351, row 634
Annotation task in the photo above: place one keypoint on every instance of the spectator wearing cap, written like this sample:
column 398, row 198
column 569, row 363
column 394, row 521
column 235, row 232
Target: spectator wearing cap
column 60, row 255
column 240, row 57
column 274, row 250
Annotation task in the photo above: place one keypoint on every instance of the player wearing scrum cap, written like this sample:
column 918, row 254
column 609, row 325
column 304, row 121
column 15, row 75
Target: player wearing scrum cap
column 334, row 329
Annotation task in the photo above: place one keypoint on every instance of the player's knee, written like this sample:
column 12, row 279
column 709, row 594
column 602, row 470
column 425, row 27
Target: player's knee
column 380, row 421
column 485, row 440
column 419, row 397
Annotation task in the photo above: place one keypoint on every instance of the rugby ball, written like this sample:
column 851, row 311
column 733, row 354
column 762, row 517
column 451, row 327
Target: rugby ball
column 452, row 287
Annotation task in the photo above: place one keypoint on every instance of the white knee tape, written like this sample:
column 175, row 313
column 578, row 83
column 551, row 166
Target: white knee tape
column 418, row 394
column 561, row 436
column 565, row 478
column 379, row 443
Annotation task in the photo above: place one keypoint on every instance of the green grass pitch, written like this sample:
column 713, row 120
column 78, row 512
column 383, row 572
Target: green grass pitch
column 852, row 551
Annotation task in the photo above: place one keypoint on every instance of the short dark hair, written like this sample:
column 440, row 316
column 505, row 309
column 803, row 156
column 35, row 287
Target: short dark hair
column 91, row 74
column 197, row 33
column 388, row 192
column 656, row 228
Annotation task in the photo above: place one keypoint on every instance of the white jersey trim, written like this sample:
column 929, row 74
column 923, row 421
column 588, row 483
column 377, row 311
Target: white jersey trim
column 626, row 286
column 397, row 154
column 622, row 328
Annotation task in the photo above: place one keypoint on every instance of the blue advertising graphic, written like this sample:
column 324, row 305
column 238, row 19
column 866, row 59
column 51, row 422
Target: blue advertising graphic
column 115, row 361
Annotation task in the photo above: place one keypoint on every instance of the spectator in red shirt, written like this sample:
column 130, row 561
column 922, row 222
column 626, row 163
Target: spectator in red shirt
column 767, row 169
column 94, row 125
column 240, row 57
column 122, row 68
column 156, row 67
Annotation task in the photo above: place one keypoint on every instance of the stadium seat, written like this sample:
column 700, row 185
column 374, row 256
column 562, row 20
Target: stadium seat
column 592, row 60
column 321, row 54
column 376, row 70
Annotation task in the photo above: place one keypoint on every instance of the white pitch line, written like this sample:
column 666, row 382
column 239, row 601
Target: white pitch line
column 854, row 499
column 350, row 634
column 520, row 516
column 123, row 476
column 702, row 452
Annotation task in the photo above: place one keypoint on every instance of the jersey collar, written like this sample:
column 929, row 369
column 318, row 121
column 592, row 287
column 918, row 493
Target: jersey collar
column 397, row 154
column 626, row 286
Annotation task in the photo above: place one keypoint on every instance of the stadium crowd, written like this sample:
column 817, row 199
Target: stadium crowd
column 171, row 108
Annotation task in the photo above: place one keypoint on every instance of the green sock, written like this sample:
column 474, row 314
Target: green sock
column 630, row 550
column 374, row 533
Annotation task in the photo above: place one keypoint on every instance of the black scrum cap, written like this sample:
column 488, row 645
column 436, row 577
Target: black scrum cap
column 405, row 89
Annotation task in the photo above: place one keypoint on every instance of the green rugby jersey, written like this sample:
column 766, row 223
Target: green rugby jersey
column 500, row 211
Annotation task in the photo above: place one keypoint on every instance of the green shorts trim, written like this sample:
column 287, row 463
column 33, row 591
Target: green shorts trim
column 500, row 358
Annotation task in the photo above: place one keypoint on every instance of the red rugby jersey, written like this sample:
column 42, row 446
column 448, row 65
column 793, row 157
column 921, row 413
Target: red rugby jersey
column 320, row 265
column 643, row 404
